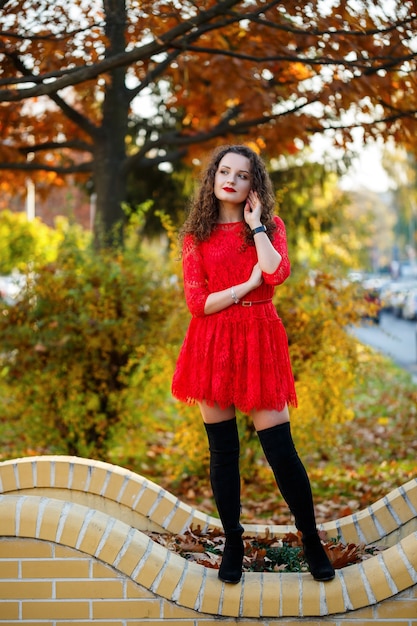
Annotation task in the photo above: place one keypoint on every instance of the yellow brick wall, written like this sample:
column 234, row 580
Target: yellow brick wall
column 72, row 550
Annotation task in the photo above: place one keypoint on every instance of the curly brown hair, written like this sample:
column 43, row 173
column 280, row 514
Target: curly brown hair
column 204, row 207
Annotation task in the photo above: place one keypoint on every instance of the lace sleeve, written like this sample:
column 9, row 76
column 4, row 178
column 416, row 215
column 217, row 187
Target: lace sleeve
column 195, row 281
column 280, row 244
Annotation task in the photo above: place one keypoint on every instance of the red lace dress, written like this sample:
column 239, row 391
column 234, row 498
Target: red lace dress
column 238, row 356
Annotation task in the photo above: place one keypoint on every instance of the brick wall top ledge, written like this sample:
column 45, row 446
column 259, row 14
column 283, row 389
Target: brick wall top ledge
column 29, row 509
column 143, row 504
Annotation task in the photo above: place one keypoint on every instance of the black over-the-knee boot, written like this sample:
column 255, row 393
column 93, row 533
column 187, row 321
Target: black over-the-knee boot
column 294, row 484
column 225, row 481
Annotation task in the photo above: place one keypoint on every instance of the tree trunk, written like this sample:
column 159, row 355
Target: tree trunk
column 110, row 178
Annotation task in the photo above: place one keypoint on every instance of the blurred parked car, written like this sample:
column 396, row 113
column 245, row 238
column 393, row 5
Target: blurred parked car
column 409, row 310
column 394, row 294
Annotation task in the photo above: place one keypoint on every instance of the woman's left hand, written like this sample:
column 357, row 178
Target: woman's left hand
column 253, row 209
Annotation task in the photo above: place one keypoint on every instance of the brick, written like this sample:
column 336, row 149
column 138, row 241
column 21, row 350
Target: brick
column 223, row 622
column 163, row 509
column 290, row 594
column 400, row 506
column 93, row 533
column 8, row 477
column 72, row 525
column 171, row 574
column 133, row 590
column 172, row 611
column 9, row 610
column 384, row 517
column 63, row 552
column 50, row 520
column 89, row 589
column 56, row 569
column 355, row 586
column 377, row 579
column 231, row 600
column 179, row 520
column 182, row 622
column 25, row 473
column 24, row 548
column 134, row 554
column 310, row 596
column 55, row 610
column 80, row 476
column 397, row 568
column 193, row 580
column 96, row 623
column 373, row 621
column 361, row 615
column 409, row 545
column 9, row 569
column 304, row 622
column 410, row 489
column 146, row 501
column 114, row 486
column 28, row 516
column 122, row 610
column 44, row 472
column 151, row 562
column 114, row 543
column 131, row 492
column 334, row 596
column 98, row 478
column 100, row 570
column 252, row 593
column 368, row 527
column 210, row 601
column 8, row 515
column 348, row 530
column 271, row 593
column 62, row 473
column 398, row 609
column 22, row 589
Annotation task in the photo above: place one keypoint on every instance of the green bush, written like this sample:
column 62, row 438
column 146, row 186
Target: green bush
column 79, row 350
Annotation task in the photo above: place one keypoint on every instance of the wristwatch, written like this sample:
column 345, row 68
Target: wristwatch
column 259, row 229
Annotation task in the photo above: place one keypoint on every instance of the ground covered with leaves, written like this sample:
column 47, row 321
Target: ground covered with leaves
column 265, row 553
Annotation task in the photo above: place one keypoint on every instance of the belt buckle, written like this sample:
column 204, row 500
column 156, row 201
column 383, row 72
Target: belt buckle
column 246, row 303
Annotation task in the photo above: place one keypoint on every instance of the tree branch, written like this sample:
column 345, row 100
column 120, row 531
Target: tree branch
column 69, row 112
column 294, row 58
column 32, row 166
column 82, row 146
column 146, row 51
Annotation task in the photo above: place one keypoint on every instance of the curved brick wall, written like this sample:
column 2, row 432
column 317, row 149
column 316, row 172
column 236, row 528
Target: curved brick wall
column 71, row 544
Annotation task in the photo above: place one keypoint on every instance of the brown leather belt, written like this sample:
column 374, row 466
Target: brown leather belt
column 250, row 302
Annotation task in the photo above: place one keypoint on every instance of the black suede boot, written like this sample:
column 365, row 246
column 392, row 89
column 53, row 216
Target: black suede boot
column 225, row 482
column 294, row 484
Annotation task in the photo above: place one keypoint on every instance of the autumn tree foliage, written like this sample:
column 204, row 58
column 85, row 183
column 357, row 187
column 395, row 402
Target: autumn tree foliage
column 105, row 91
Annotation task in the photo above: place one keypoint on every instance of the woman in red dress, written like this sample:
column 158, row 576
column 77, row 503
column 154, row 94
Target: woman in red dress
column 235, row 353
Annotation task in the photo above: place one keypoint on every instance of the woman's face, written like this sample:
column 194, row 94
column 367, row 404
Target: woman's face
column 232, row 181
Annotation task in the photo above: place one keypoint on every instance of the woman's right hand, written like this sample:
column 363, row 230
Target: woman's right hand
column 255, row 278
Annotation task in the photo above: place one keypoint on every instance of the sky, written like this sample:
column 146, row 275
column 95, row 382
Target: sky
column 367, row 171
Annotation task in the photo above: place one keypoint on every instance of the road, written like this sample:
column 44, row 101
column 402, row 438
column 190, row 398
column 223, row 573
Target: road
column 394, row 337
